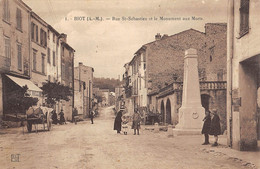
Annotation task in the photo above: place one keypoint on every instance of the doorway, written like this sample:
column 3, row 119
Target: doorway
column 205, row 101
column 249, row 81
column 162, row 119
column 168, row 112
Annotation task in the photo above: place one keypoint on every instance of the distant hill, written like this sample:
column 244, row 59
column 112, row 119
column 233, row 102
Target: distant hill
column 106, row 83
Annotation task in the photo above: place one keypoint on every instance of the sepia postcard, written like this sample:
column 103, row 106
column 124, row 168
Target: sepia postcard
column 129, row 84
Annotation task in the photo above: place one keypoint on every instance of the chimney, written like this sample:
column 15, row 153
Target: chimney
column 158, row 36
column 63, row 37
column 164, row 36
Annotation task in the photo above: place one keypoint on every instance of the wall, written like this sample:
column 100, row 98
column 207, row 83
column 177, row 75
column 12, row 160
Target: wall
column 174, row 107
column 166, row 56
column 248, row 109
column 52, row 68
column 216, row 52
column 9, row 29
column 37, row 76
column 16, row 36
column 67, row 56
column 243, row 80
column 83, row 97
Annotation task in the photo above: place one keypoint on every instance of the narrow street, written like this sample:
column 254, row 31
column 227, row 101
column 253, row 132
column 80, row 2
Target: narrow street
column 87, row 145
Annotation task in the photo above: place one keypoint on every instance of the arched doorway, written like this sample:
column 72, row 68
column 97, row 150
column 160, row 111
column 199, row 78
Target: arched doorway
column 168, row 112
column 162, row 112
column 205, row 101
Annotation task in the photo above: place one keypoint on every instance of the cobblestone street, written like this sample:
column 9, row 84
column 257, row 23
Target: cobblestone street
column 87, row 145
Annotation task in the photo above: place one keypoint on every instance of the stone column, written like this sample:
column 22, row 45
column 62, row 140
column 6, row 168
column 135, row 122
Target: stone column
column 191, row 113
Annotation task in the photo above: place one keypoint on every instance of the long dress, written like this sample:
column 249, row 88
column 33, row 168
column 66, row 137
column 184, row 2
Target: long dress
column 118, row 121
column 206, row 125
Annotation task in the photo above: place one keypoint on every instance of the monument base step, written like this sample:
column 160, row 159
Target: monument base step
column 179, row 132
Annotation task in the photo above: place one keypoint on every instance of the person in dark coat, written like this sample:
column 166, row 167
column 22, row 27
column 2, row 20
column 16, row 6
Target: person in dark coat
column 136, row 122
column 62, row 118
column 215, row 126
column 118, row 121
column 206, row 127
column 54, row 117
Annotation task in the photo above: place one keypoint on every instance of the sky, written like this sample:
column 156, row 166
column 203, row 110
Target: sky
column 108, row 44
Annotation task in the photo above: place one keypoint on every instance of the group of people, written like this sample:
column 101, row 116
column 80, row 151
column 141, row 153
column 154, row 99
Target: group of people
column 121, row 122
column 75, row 117
column 55, row 117
column 211, row 126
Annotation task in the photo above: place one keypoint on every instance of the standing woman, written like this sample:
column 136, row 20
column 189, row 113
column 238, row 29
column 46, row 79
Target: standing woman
column 136, row 122
column 118, row 121
column 215, row 126
column 206, row 127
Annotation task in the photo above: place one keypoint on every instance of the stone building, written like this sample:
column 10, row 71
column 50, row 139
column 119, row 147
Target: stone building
column 83, row 89
column 30, row 54
column 158, row 64
column 243, row 70
column 53, row 51
column 128, row 102
column 67, row 74
column 15, row 47
column 38, row 49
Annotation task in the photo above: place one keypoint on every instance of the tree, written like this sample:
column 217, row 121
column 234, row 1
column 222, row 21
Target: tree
column 55, row 92
column 106, row 83
column 18, row 101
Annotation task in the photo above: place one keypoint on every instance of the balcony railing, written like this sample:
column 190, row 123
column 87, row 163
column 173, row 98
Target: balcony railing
column 204, row 85
column 213, row 85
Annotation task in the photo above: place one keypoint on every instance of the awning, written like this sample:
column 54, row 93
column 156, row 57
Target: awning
column 22, row 82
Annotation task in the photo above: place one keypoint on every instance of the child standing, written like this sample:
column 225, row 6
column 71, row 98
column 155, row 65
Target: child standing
column 125, row 125
column 215, row 126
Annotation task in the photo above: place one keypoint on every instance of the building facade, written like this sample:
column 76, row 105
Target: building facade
column 15, row 50
column 38, row 50
column 243, row 115
column 30, row 54
column 83, row 89
column 212, row 75
column 119, row 98
column 158, row 64
column 53, row 51
column 67, row 74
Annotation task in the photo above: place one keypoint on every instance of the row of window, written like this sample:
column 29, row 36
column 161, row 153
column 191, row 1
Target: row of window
column 53, row 57
column 53, row 37
column 8, row 51
column 6, row 15
column 19, row 56
column 35, row 35
column 42, row 69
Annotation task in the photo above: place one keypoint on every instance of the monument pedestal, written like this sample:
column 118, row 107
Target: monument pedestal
column 190, row 121
column 191, row 113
